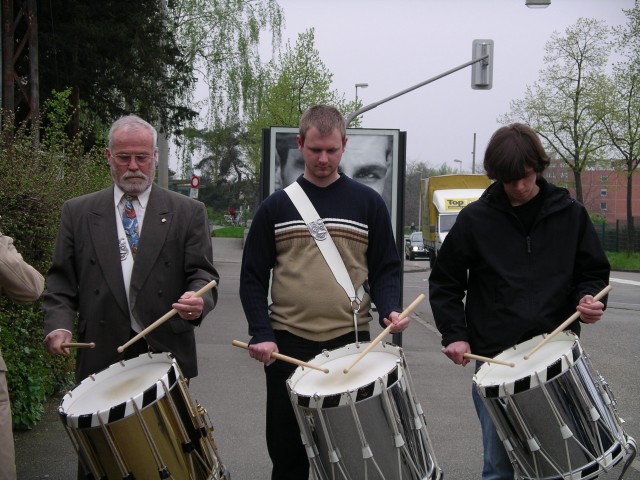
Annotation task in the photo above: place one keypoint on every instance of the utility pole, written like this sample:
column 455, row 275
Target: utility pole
column 473, row 155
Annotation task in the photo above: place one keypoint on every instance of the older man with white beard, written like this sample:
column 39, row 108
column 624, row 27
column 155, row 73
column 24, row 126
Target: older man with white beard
column 116, row 277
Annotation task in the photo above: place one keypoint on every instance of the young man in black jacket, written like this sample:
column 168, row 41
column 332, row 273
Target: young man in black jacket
column 526, row 254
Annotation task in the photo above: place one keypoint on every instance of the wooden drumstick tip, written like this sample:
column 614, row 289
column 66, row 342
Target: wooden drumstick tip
column 597, row 297
column 386, row 331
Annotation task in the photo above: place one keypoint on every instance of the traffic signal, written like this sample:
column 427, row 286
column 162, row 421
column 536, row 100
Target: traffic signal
column 482, row 70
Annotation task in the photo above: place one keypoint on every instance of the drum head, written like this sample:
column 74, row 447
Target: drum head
column 379, row 363
column 110, row 393
column 554, row 358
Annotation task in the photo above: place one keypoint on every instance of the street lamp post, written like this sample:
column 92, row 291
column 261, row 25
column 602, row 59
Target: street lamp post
column 460, row 162
column 360, row 85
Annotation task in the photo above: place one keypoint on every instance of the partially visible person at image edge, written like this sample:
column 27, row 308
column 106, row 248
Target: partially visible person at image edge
column 22, row 284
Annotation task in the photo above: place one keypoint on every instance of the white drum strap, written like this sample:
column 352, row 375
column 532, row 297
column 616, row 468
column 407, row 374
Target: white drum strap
column 326, row 245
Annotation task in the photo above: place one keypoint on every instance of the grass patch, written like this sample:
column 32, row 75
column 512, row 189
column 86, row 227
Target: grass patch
column 228, row 232
column 624, row 260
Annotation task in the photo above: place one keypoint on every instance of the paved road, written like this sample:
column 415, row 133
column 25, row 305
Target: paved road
column 231, row 385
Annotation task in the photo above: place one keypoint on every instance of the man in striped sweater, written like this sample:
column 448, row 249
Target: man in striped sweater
column 309, row 310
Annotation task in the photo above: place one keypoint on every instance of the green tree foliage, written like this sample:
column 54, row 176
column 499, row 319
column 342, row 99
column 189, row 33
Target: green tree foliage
column 220, row 40
column 282, row 90
column 116, row 57
column 620, row 106
column 227, row 180
column 560, row 106
column 35, row 182
column 287, row 86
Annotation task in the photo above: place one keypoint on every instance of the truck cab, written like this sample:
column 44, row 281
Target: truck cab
column 442, row 197
column 448, row 204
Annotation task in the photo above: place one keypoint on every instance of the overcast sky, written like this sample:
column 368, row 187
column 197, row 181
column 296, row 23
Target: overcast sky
column 396, row 44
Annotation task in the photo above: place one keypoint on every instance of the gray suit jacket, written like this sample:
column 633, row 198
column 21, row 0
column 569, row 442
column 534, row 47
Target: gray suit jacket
column 85, row 279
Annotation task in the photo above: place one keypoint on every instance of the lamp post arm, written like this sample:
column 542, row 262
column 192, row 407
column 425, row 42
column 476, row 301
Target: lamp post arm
column 371, row 106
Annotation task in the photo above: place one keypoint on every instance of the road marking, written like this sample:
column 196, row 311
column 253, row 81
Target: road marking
column 624, row 280
column 426, row 324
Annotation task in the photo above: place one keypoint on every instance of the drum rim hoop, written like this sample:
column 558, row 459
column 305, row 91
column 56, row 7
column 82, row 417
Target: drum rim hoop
column 153, row 393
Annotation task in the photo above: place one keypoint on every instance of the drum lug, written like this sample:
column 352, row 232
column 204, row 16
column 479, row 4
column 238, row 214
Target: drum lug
column 534, row 446
column 334, row 456
column 566, row 432
column 366, row 452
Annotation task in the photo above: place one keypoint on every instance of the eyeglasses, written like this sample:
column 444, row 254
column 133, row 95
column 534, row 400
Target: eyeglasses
column 125, row 158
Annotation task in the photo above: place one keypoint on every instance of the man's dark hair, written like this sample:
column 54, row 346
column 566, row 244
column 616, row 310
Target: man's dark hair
column 510, row 150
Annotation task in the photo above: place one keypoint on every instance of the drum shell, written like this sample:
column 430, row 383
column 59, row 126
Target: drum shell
column 159, row 428
column 529, row 416
column 371, row 415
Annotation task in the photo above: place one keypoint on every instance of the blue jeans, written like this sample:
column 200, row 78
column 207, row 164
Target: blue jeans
column 497, row 465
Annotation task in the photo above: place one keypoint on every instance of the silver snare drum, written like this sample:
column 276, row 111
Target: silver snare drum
column 366, row 424
column 554, row 413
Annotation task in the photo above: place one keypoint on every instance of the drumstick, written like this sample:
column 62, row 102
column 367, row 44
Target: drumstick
column 488, row 360
column 279, row 356
column 566, row 323
column 165, row 317
column 77, row 345
column 379, row 338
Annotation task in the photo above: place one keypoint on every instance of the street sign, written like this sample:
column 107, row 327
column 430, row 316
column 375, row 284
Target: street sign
column 195, row 181
column 193, row 193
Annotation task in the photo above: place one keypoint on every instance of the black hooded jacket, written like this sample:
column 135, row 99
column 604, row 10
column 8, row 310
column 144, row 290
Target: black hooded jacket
column 517, row 285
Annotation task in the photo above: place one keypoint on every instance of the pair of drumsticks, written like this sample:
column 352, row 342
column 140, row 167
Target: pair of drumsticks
column 371, row 345
column 410, row 308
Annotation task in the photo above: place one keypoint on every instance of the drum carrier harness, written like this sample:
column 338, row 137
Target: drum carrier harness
column 327, row 247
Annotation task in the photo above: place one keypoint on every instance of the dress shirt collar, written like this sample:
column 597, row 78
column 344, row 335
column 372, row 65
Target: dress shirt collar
column 143, row 197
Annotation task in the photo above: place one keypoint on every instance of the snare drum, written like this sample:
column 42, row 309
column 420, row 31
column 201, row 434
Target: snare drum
column 136, row 419
column 554, row 413
column 365, row 424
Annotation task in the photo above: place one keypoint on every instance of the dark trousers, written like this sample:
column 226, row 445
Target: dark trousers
column 285, row 446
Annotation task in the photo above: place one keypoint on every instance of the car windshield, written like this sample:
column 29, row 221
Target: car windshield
column 416, row 237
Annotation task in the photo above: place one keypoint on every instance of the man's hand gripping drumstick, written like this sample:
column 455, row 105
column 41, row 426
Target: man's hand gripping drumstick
column 167, row 316
column 391, row 325
column 284, row 358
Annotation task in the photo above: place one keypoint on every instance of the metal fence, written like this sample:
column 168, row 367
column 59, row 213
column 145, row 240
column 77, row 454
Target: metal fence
column 615, row 236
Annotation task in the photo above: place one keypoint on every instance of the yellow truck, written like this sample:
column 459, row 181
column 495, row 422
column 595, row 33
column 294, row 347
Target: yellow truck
column 441, row 198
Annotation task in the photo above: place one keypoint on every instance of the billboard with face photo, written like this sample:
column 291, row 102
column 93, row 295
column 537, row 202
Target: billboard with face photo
column 374, row 157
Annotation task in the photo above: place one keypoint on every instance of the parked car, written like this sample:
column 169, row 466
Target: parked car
column 414, row 247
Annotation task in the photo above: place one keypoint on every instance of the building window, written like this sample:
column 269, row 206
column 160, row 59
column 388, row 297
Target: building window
column 604, row 178
column 603, row 192
column 603, row 206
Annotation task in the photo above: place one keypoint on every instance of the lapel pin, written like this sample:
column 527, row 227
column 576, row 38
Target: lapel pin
column 164, row 220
